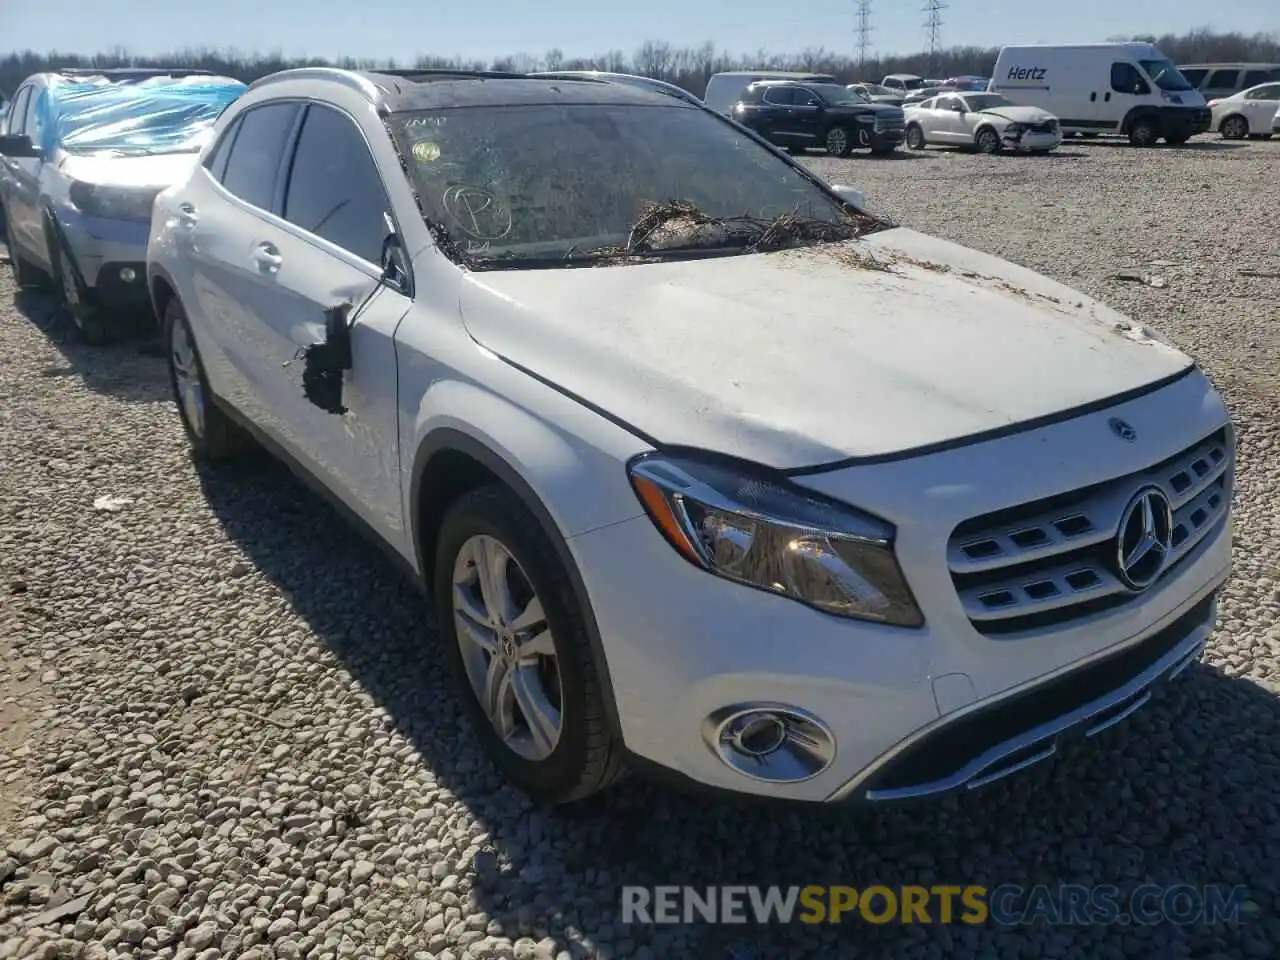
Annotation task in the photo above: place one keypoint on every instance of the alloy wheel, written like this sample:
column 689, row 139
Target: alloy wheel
column 507, row 648
column 186, row 377
column 837, row 141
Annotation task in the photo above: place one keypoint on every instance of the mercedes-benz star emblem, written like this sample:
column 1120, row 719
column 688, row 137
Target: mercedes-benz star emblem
column 1145, row 538
column 1123, row 429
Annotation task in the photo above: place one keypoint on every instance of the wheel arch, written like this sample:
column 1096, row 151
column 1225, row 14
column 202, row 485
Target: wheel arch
column 449, row 463
column 1141, row 112
column 1235, row 115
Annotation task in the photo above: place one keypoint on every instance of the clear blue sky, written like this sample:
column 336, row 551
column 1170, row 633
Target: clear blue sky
column 486, row 28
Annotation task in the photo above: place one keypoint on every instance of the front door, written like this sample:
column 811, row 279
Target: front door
column 325, row 250
column 22, row 199
column 1260, row 106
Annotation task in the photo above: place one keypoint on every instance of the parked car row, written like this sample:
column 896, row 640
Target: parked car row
column 375, row 276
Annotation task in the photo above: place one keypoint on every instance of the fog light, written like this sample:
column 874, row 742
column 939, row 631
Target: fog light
column 770, row 742
column 128, row 275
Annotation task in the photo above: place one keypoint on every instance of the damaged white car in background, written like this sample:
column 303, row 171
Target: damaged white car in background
column 983, row 121
column 82, row 156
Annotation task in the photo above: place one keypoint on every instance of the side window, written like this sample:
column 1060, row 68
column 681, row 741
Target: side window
column 216, row 161
column 1223, row 80
column 1195, row 76
column 1126, row 79
column 1269, row 92
column 953, row 104
column 779, row 96
column 31, row 123
column 805, row 98
column 17, row 111
column 1254, row 77
column 257, row 151
column 1274, row 74
column 334, row 189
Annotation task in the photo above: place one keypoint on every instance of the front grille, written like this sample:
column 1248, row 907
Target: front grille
column 889, row 124
column 1054, row 560
column 1049, row 126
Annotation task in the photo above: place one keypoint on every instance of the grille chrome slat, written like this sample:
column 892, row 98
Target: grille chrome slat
column 1045, row 558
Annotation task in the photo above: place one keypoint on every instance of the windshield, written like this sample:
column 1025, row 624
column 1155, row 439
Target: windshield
column 914, row 83
column 877, row 91
column 1165, row 75
column 563, row 184
column 986, row 101
column 161, row 115
column 837, row 95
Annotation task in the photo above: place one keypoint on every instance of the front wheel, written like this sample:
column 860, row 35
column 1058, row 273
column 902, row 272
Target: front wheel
column 1143, row 133
column 1234, row 128
column 987, row 141
column 516, row 641
column 915, row 137
column 838, row 142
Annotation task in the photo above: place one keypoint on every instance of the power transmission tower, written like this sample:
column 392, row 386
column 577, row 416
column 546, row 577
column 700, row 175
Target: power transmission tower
column 933, row 24
column 864, row 31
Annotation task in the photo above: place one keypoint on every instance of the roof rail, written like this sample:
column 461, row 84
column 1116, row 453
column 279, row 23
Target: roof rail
column 447, row 73
column 348, row 78
column 132, row 73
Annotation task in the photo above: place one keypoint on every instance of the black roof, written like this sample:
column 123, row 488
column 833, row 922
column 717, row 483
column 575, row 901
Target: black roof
column 433, row 89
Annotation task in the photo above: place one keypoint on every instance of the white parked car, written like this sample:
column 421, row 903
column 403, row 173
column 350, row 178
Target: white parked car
column 1275, row 123
column 985, row 121
column 1248, row 113
column 693, row 490
column 82, row 155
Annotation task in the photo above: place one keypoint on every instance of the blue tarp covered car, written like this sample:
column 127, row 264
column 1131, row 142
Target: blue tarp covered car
column 88, row 152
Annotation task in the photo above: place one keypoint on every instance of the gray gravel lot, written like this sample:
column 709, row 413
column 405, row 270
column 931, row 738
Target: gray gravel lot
column 224, row 723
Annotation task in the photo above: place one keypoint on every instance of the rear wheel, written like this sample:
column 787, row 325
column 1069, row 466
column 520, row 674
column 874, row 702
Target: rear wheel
column 1234, row 128
column 838, row 142
column 915, row 137
column 213, row 435
column 516, row 641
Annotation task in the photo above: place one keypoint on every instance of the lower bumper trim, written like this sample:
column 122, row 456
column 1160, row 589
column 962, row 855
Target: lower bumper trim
column 1079, row 704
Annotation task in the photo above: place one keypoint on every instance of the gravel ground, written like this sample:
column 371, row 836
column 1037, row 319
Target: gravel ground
column 224, row 731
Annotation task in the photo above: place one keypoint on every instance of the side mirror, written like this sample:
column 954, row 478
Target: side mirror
column 850, row 195
column 396, row 270
column 18, row 146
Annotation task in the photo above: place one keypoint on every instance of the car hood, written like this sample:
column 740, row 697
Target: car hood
column 797, row 358
column 157, row 170
column 1020, row 114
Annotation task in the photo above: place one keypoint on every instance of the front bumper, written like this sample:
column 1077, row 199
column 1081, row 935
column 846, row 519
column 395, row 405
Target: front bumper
column 1184, row 121
column 682, row 645
column 1031, row 140
column 105, row 252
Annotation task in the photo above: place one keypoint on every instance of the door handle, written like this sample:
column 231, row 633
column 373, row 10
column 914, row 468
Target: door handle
column 187, row 215
column 1093, row 97
column 1107, row 97
column 267, row 257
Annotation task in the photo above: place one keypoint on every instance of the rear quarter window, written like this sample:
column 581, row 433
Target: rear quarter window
column 1254, row 77
column 1223, row 80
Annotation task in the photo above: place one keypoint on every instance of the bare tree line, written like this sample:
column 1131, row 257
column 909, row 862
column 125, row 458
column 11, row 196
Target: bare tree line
column 689, row 67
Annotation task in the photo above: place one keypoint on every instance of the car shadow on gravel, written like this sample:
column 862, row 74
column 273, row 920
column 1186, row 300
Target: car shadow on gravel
column 1181, row 793
column 1207, row 146
column 120, row 370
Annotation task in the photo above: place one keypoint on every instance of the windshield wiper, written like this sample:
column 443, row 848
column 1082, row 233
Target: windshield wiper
column 681, row 226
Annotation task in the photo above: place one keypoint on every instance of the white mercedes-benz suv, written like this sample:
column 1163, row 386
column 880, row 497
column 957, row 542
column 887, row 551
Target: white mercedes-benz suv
column 707, row 470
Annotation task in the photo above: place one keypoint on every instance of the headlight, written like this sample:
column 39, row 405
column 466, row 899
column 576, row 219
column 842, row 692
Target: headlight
column 1015, row 128
column 753, row 527
column 114, row 203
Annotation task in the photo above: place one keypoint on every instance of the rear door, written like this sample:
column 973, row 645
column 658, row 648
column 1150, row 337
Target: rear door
column 778, row 117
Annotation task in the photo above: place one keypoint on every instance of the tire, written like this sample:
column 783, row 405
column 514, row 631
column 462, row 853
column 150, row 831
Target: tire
column 583, row 758
column 987, row 140
column 838, row 143
column 1143, row 133
column 915, row 137
column 213, row 435
column 1234, row 127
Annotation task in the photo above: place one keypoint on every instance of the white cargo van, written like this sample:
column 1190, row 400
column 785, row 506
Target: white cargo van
column 1126, row 88
column 723, row 89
